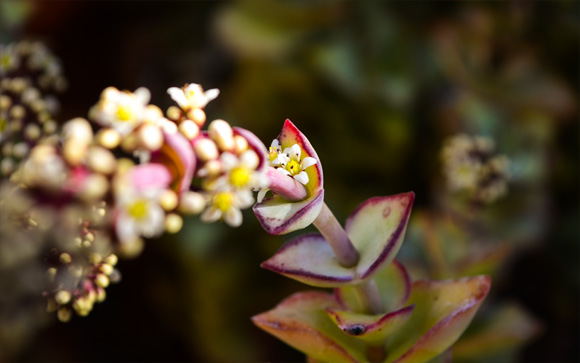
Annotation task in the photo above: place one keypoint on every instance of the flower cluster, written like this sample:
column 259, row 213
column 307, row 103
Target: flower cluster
column 29, row 76
column 470, row 164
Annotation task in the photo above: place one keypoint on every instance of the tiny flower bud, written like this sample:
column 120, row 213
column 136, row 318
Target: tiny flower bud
column 240, row 144
column 101, row 160
column 197, row 115
column 174, row 113
column 17, row 112
column 173, row 223
column 150, row 137
column 131, row 248
column 64, row 314
column 62, row 297
column 109, row 138
column 101, row 294
column 49, row 127
column 129, row 142
column 106, row 269
column 74, row 151
column 51, row 274
column 5, row 102
column 6, row 166
column 168, row 200
column 78, row 129
column 111, row 260
column 221, row 132
column 102, row 280
column 205, row 149
column 152, row 113
column 20, row 150
column 189, row 129
column 32, row 132
column 94, row 187
column 65, row 258
column 95, row 258
column 191, row 203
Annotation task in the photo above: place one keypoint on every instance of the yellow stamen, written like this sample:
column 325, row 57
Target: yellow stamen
column 293, row 167
column 273, row 154
column 223, row 201
column 138, row 209
column 124, row 113
column 239, row 177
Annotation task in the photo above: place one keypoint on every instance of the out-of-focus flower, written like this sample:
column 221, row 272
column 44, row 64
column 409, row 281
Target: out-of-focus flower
column 192, row 96
column 470, row 165
column 121, row 110
column 228, row 205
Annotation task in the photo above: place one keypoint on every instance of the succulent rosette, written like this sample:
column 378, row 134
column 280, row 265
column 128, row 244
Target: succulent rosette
column 376, row 229
column 293, row 157
column 417, row 321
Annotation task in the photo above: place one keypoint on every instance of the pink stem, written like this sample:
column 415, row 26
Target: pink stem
column 336, row 237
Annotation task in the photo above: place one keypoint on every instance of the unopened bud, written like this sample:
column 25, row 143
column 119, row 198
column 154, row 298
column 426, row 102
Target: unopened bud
column 174, row 113
column 205, row 149
column 240, row 144
column 101, row 294
column 62, row 297
column 64, row 314
column 109, row 138
column 197, row 115
column 173, row 223
column 106, row 269
column 102, row 280
column 94, row 187
column 111, row 260
column 101, row 160
column 65, row 258
column 168, row 200
column 32, row 132
column 17, row 112
column 78, row 129
column 95, row 258
column 150, row 137
column 74, row 151
column 221, row 132
column 189, row 129
column 192, row 203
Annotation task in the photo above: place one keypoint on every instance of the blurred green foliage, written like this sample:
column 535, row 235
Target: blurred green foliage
column 376, row 87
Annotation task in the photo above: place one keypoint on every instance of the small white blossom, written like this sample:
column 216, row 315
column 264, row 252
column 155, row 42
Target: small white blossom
column 121, row 110
column 192, row 96
column 228, row 205
column 289, row 163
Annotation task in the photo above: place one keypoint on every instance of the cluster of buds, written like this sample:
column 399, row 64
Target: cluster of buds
column 29, row 76
column 470, row 164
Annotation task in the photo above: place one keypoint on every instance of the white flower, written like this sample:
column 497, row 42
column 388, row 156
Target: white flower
column 121, row 110
column 192, row 96
column 139, row 214
column 289, row 163
column 9, row 59
column 241, row 173
column 228, row 205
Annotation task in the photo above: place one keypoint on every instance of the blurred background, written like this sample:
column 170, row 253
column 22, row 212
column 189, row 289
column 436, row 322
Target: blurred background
column 381, row 89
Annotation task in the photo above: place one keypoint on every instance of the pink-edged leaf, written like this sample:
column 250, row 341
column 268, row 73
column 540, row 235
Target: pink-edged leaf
column 376, row 229
column 280, row 216
column 255, row 144
column 443, row 310
column 393, row 285
column 309, row 259
column 370, row 328
column 178, row 156
column 301, row 322
column 151, row 175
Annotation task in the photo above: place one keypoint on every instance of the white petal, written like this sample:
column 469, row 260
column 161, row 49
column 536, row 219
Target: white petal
column 229, row 160
column 275, row 144
column 301, row 178
column 211, row 94
column 295, row 151
column 142, row 95
column 178, row 96
column 245, row 198
column 250, row 159
column 262, row 194
column 125, row 228
column 211, row 214
column 283, row 171
column 233, row 217
column 308, row 161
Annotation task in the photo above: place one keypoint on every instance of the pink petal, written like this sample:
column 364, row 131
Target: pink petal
column 150, row 175
column 178, row 156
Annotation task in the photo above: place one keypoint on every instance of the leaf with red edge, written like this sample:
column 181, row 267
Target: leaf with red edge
column 443, row 310
column 376, row 228
column 371, row 328
column 280, row 216
column 301, row 321
column 178, row 156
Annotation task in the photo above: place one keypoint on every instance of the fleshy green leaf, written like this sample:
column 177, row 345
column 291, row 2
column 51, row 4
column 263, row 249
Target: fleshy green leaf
column 376, row 228
column 371, row 328
column 301, row 321
column 280, row 216
column 443, row 309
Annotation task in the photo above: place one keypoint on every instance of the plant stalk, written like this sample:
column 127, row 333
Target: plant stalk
column 336, row 237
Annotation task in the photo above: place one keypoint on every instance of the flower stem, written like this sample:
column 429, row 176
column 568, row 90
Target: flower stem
column 336, row 237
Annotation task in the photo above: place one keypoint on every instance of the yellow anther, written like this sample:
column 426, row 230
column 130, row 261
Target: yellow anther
column 138, row 209
column 223, row 201
column 293, row 167
column 124, row 113
column 239, row 176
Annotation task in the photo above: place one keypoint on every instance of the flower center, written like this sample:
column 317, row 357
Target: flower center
column 138, row 209
column 293, row 167
column 223, row 201
column 124, row 113
column 239, row 177
column 273, row 153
